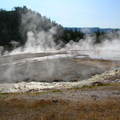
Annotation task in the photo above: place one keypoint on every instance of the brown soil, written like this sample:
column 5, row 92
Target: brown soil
column 97, row 103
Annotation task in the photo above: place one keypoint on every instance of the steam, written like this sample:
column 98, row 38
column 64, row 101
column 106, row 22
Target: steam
column 40, row 33
column 40, row 42
column 107, row 49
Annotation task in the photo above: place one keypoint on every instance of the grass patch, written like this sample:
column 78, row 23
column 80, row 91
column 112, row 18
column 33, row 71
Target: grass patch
column 47, row 91
column 95, row 86
column 3, row 95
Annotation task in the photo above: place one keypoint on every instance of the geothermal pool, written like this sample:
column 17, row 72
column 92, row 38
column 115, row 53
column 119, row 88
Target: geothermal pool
column 51, row 70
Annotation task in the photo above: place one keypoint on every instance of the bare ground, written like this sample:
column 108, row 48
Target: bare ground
column 95, row 103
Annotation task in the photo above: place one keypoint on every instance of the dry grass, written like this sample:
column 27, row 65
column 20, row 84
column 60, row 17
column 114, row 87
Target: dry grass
column 14, row 107
column 53, row 109
column 103, row 86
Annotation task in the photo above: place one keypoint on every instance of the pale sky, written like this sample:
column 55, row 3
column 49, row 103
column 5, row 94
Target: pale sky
column 74, row 13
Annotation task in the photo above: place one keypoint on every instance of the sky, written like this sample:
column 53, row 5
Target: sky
column 74, row 13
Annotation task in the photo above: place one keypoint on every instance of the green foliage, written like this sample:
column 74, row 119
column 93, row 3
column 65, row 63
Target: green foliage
column 99, row 36
column 9, row 28
column 72, row 35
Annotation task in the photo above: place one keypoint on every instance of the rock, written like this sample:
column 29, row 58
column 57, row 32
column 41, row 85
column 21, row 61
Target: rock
column 97, row 84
